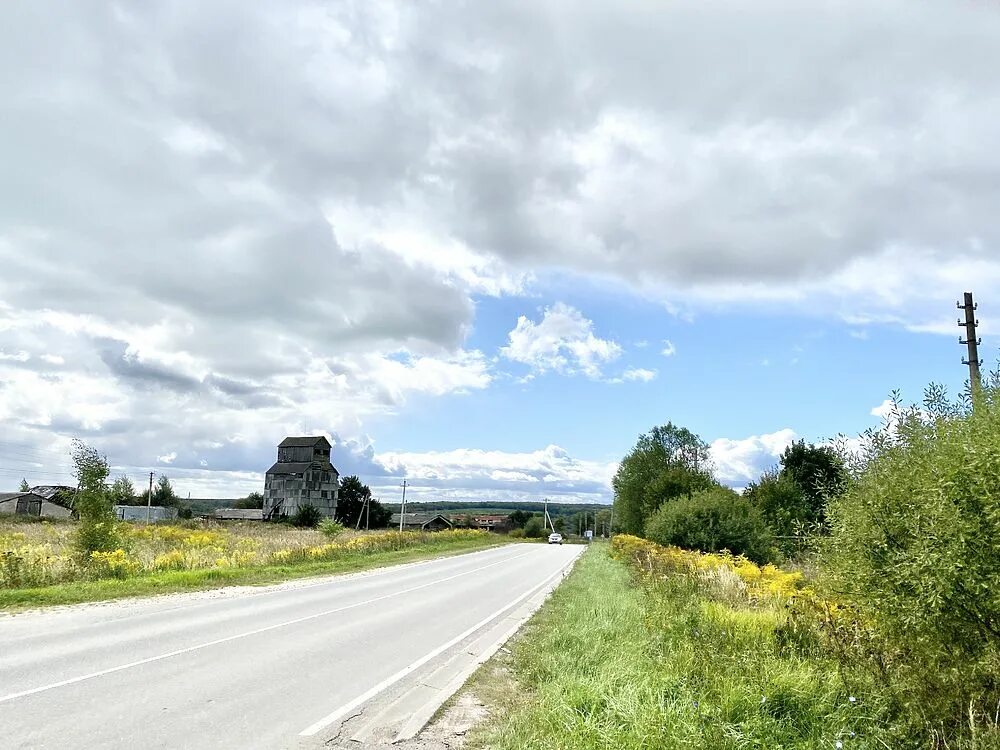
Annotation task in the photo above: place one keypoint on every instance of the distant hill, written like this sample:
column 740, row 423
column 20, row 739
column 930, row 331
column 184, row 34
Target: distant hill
column 492, row 507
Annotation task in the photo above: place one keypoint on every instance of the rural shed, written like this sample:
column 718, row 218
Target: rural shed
column 421, row 522
column 31, row 504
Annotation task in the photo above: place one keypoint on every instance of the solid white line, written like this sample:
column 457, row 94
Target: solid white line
column 313, row 729
column 227, row 639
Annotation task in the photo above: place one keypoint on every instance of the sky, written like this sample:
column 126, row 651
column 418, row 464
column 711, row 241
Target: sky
column 484, row 246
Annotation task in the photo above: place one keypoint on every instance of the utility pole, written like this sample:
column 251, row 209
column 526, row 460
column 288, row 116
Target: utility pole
column 970, row 324
column 402, row 507
column 361, row 512
column 548, row 520
column 149, row 497
column 368, row 512
column 611, row 523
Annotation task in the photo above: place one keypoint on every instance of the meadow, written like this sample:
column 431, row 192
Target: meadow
column 651, row 647
column 40, row 564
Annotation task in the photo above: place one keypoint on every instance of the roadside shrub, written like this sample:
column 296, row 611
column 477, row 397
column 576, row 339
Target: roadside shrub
column 711, row 521
column 331, row 528
column 307, row 517
column 535, row 528
column 914, row 546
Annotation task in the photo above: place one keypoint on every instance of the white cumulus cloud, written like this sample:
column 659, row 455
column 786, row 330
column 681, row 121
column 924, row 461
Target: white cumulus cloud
column 562, row 341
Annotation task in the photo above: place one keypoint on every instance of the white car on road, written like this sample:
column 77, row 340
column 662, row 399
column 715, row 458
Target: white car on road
column 555, row 538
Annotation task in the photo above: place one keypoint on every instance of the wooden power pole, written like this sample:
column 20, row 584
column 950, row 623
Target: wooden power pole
column 972, row 341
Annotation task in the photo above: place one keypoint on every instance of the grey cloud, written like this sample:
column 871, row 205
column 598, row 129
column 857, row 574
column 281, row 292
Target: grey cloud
column 129, row 367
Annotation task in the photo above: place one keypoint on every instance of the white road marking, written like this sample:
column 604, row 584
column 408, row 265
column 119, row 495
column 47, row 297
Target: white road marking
column 327, row 720
column 227, row 639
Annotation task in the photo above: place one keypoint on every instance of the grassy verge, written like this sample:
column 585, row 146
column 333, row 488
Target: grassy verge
column 193, row 580
column 607, row 663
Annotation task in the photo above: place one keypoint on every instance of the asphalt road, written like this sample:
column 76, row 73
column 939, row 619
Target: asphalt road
column 252, row 668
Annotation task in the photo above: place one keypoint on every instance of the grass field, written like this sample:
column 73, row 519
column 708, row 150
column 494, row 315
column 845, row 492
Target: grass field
column 611, row 663
column 38, row 565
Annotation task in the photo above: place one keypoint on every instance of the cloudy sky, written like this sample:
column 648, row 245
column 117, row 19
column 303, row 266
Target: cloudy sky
column 483, row 245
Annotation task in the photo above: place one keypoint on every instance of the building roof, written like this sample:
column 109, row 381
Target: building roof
column 5, row 496
column 59, row 494
column 293, row 468
column 418, row 519
column 303, row 442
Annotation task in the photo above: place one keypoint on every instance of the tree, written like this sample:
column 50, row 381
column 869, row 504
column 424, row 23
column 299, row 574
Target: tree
column 559, row 524
column 711, row 521
column 666, row 463
column 123, row 491
column 307, row 517
column 351, row 502
column 534, row 529
column 25, row 487
column 255, row 500
column 818, row 471
column 98, row 531
column 519, row 518
column 163, row 493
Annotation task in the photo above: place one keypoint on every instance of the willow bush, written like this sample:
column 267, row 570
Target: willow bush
column 915, row 548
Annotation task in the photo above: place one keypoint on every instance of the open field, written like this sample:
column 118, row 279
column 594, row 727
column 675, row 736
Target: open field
column 38, row 564
column 616, row 659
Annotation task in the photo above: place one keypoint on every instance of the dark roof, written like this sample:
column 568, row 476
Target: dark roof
column 5, row 496
column 302, row 442
column 418, row 519
column 59, row 494
column 292, row 468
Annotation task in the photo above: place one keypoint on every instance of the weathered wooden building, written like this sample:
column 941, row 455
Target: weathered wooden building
column 302, row 475
column 31, row 504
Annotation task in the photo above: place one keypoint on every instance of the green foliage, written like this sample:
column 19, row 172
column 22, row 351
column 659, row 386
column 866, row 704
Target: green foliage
column 351, row 501
column 519, row 518
column 535, row 529
column 331, row 528
column 666, row 463
column 98, row 529
column 914, row 546
column 711, row 521
column 25, row 487
column 609, row 664
column 163, row 493
column 784, row 508
column 123, row 491
column 253, row 501
column 819, row 473
column 307, row 517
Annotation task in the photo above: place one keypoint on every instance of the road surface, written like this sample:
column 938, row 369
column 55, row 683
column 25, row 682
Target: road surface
column 281, row 667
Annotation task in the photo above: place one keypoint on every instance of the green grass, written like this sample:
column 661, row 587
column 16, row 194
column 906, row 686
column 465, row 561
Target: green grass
column 194, row 580
column 607, row 664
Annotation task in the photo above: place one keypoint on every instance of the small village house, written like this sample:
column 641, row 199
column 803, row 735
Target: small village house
column 421, row 522
column 302, row 475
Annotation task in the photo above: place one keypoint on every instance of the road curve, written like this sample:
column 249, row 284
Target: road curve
column 251, row 668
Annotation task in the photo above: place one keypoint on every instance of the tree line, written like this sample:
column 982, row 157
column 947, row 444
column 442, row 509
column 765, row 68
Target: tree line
column 665, row 490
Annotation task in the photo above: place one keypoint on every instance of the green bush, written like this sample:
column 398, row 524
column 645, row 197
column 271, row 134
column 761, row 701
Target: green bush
column 914, row 546
column 711, row 521
column 307, row 517
column 331, row 528
column 535, row 528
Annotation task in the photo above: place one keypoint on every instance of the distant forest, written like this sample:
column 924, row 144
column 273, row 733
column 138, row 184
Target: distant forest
column 492, row 507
